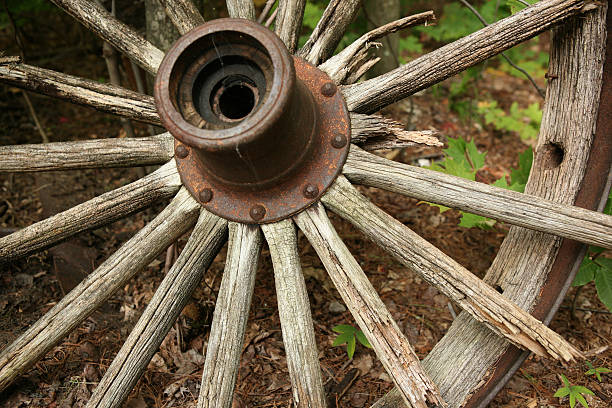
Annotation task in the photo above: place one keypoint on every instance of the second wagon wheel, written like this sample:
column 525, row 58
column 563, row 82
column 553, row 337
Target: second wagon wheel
column 281, row 155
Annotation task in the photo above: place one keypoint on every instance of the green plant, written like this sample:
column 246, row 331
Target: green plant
column 596, row 268
column 525, row 122
column 349, row 335
column 596, row 371
column 21, row 10
column 575, row 393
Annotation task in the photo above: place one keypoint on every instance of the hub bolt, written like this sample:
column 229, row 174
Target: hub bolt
column 339, row 141
column 329, row 89
column 310, row 191
column 181, row 151
column 206, row 195
column 257, row 212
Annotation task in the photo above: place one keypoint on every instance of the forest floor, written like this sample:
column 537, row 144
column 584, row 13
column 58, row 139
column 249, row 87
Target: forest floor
column 69, row 372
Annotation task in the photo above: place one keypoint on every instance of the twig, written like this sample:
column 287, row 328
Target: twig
column 265, row 11
column 386, row 38
column 271, row 19
column 512, row 64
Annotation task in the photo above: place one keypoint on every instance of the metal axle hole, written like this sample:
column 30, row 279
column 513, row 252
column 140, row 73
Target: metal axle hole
column 235, row 102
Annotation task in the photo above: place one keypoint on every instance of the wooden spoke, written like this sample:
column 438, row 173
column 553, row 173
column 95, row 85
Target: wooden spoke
column 369, row 311
column 289, row 22
column 374, row 132
column 520, row 209
column 295, row 316
column 122, row 37
column 343, row 65
column 103, row 97
column 374, row 94
column 207, row 238
column 241, row 9
column 230, row 318
column 102, row 210
column 483, row 302
column 87, row 154
column 112, row 275
column 183, row 13
column 329, row 30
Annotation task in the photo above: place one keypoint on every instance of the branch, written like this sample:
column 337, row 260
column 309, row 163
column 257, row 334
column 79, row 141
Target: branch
column 375, row 132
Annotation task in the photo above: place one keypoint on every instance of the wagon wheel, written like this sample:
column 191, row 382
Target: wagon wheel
column 484, row 345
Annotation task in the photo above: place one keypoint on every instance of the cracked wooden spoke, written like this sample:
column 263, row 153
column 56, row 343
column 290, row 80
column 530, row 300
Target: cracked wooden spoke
column 96, row 288
column 122, row 37
column 230, row 317
column 102, row 210
column 373, row 132
column 374, row 94
column 509, row 206
column 295, row 316
column 183, row 13
column 329, row 30
column 87, row 154
column 483, row 302
column 348, row 62
column 241, row 9
column 102, row 97
column 207, row 238
column 369, row 311
column 289, row 22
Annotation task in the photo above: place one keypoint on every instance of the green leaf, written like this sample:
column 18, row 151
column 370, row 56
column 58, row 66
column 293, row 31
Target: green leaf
column 362, row 339
column 344, row 328
column 581, row 400
column 476, row 158
column 562, row 392
column 472, row 220
column 521, row 175
column 603, row 281
column 350, row 347
column 572, row 400
column 579, row 389
column 342, row 338
column 565, row 380
column 586, row 273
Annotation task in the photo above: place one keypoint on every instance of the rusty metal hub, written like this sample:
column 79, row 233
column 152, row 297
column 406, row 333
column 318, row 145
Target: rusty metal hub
column 259, row 135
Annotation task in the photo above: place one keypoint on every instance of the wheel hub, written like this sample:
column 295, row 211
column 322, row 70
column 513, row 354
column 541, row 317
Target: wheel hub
column 259, row 135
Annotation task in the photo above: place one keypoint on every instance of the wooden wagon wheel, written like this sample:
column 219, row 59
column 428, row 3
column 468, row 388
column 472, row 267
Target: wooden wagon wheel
column 482, row 348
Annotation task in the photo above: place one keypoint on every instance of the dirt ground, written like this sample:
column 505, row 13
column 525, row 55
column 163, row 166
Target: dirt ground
column 69, row 372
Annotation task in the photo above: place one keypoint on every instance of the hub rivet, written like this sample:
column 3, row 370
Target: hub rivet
column 339, row 141
column 310, row 191
column 257, row 212
column 329, row 89
column 181, row 151
column 206, row 195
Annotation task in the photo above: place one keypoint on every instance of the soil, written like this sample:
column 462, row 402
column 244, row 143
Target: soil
column 69, row 372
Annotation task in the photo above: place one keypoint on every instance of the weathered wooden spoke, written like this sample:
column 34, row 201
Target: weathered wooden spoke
column 112, row 275
column 102, row 210
column 241, row 9
column 95, row 17
column 289, row 22
column 183, row 13
column 295, row 316
column 369, row 311
column 226, row 337
column 329, row 30
column 479, row 299
column 509, row 206
column 103, row 97
column 87, row 154
column 207, row 238
column 373, row 132
column 374, row 94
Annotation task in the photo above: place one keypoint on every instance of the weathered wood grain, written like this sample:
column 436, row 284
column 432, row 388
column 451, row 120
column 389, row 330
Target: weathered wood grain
column 372, row 95
column 183, row 13
column 295, row 316
column 101, row 210
column 241, row 9
column 329, row 30
column 374, row 132
column 347, row 62
column 122, row 37
column 479, row 299
column 289, row 22
column 112, row 275
column 230, row 317
column 522, row 209
column 467, row 355
column 103, row 97
column 207, row 238
column 391, row 346
column 87, row 154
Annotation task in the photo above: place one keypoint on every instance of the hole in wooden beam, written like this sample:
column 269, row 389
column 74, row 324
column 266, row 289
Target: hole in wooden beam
column 550, row 155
